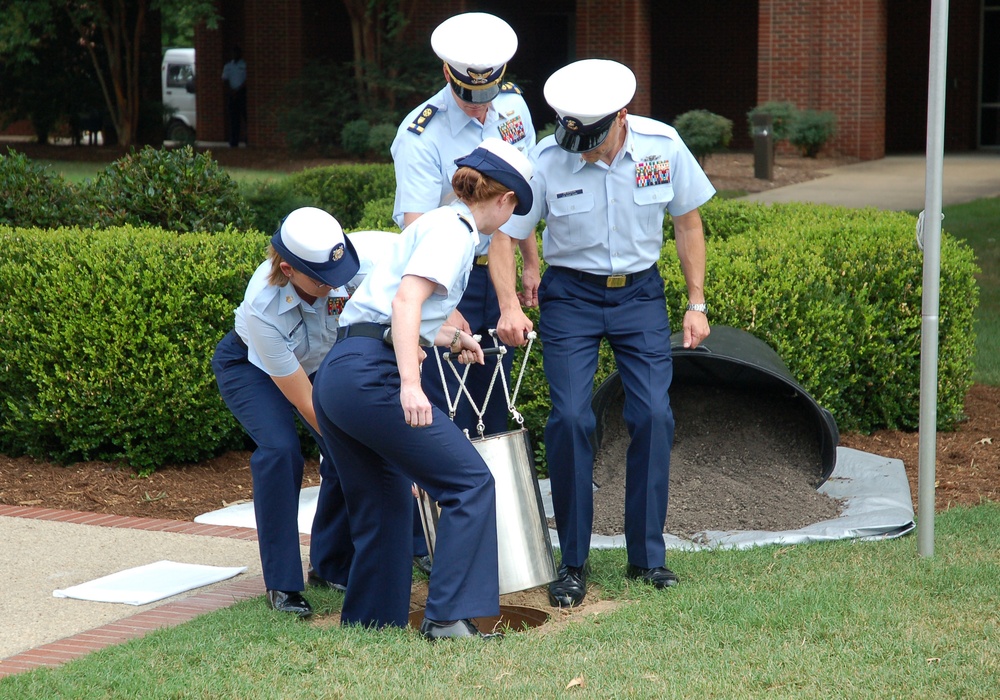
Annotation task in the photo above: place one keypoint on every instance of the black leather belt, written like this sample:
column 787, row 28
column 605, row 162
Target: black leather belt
column 481, row 260
column 378, row 331
column 609, row 281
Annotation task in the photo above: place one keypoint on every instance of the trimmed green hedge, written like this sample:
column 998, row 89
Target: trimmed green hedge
column 344, row 190
column 106, row 336
column 106, row 339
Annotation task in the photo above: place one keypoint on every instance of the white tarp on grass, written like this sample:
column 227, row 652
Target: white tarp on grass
column 149, row 583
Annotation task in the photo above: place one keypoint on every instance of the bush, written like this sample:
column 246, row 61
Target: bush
column 119, row 367
column 345, row 190
column 810, row 130
column 177, row 190
column 377, row 216
column 836, row 292
column 354, row 137
column 782, row 115
column 270, row 202
column 704, row 133
column 29, row 196
column 380, row 140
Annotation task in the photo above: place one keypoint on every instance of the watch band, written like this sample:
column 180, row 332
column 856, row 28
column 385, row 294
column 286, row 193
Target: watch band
column 702, row 308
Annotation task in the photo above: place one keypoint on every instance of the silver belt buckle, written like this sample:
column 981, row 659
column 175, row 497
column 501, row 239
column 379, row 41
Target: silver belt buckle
column 616, row 281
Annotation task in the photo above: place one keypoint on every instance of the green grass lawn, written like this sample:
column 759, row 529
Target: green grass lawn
column 79, row 172
column 843, row 619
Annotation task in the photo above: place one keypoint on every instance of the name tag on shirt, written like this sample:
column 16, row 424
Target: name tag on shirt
column 569, row 193
column 652, row 173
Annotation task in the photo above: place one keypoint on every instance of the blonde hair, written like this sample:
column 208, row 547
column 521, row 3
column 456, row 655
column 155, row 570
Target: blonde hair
column 277, row 278
column 471, row 186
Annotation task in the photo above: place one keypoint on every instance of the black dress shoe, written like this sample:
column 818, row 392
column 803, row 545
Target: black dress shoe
column 568, row 590
column 453, row 629
column 423, row 564
column 660, row 576
column 314, row 579
column 289, row 602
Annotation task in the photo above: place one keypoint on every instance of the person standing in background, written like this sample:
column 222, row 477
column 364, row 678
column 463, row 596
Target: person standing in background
column 234, row 75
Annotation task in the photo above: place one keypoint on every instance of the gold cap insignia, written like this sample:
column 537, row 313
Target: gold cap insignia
column 337, row 253
column 479, row 78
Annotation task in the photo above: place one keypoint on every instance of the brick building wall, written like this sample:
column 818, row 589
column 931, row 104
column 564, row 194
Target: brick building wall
column 618, row 30
column 828, row 55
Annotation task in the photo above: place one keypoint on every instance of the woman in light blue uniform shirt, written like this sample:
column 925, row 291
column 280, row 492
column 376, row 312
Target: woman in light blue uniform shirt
column 285, row 325
column 385, row 433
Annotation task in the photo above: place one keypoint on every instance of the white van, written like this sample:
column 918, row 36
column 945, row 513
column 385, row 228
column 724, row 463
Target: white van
column 177, row 83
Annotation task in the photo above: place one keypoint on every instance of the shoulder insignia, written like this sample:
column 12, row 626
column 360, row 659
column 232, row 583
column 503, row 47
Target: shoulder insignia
column 420, row 123
column 511, row 87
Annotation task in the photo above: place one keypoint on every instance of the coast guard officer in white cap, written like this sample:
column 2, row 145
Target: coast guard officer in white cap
column 285, row 325
column 602, row 183
column 474, row 104
column 385, row 432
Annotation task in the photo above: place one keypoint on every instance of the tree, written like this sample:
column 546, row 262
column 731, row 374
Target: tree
column 377, row 30
column 116, row 35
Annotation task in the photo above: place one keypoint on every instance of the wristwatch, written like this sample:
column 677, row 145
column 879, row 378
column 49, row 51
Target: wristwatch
column 701, row 308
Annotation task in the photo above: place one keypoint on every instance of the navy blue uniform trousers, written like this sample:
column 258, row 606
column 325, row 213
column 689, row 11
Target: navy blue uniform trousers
column 276, row 466
column 575, row 315
column 356, row 395
column 481, row 309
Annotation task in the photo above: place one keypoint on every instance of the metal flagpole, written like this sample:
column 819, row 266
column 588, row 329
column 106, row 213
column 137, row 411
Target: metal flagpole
column 931, row 237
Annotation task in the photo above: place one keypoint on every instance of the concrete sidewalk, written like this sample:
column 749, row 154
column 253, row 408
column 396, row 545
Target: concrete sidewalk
column 895, row 182
column 45, row 550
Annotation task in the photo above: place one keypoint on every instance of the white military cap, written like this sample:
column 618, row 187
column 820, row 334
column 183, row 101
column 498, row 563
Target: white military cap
column 587, row 96
column 313, row 242
column 475, row 47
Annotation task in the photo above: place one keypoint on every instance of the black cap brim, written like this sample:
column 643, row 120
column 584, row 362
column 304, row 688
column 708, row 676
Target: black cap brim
column 576, row 142
column 477, row 97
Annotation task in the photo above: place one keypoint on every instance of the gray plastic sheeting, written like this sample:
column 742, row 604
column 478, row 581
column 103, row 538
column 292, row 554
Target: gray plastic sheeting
column 877, row 505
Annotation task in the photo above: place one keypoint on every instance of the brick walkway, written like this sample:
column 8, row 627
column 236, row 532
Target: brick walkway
column 167, row 615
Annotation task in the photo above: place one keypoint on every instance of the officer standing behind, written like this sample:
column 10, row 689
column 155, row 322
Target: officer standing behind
column 474, row 104
column 385, row 433
column 602, row 183
column 234, row 75
column 285, row 325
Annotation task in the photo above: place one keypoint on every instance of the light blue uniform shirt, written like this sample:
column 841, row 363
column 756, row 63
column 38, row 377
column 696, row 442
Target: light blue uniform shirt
column 609, row 219
column 425, row 161
column 438, row 246
column 281, row 331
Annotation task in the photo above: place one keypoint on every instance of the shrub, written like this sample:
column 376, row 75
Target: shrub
column 836, row 292
column 380, row 139
column 377, row 216
column 354, row 136
column 30, row 196
column 345, row 190
column 782, row 115
column 270, row 201
column 179, row 190
column 811, row 130
column 703, row 132
column 119, row 367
